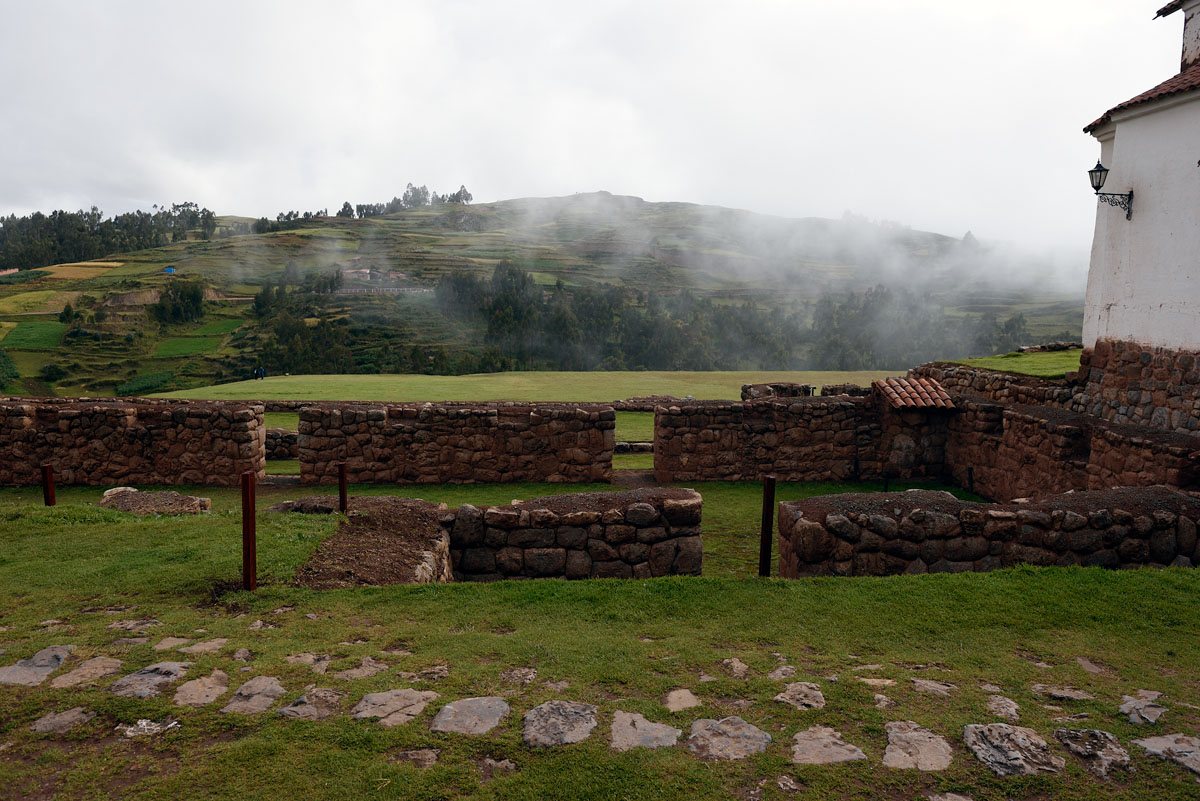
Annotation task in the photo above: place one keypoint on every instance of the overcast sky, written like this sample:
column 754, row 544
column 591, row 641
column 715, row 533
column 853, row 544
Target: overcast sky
column 946, row 115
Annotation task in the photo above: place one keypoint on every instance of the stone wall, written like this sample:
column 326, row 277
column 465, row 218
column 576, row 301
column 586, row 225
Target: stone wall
column 455, row 443
column 959, row 379
column 922, row 531
column 282, row 444
column 117, row 442
column 1131, row 383
column 637, row 534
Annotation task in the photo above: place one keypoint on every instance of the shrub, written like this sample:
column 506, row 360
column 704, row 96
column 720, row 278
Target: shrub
column 8, row 370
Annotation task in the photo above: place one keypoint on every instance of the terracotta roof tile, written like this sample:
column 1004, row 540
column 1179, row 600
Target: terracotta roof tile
column 1186, row 81
column 914, row 392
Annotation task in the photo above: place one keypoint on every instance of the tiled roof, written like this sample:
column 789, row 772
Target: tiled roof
column 914, row 393
column 1169, row 8
column 1186, row 81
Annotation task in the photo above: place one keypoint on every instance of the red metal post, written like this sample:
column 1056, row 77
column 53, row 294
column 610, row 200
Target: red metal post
column 343, row 498
column 48, row 484
column 768, row 526
column 249, row 540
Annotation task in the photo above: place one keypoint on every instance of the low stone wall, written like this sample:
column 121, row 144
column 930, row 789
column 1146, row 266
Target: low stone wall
column 455, row 443
column 959, row 379
column 1131, row 383
column 922, row 531
column 637, row 534
column 779, row 389
column 853, row 390
column 282, row 444
column 117, row 442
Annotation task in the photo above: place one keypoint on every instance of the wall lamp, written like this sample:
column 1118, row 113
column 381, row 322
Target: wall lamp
column 1097, row 175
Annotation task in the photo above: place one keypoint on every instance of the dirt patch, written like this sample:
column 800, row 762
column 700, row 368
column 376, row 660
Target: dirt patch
column 382, row 541
column 128, row 499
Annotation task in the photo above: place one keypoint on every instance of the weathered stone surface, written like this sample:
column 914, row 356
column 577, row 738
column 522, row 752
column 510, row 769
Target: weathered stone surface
column 150, row 680
column 1143, row 707
column 1090, row 666
column 1062, row 693
column 631, row 730
column 1003, row 707
column 802, row 695
column 92, row 670
column 1011, row 750
column 821, row 745
column 933, row 687
column 1100, row 750
column 318, row 662
column 393, row 707
column 883, row 702
column 255, row 696
column 519, row 675
column 1178, row 748
column 725, row 739
column 559, row 723
column 736, row 667
column 876, row 683
column 316, row 704
column 470, row 715
column 427, row 674
column 367, row 667
column 59, row 722
column 165, row 502
column 199, row 692
column 34, row 670
column 205, row 647
column 136, row 626
column 490, row 767
column 679, row 700
column 912, row 747
column 418, row 757
column 949, row 797
column 782, row 672
column 167, row 643
column 243, row 655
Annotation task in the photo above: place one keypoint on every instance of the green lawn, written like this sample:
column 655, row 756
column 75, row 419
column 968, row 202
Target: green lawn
column 186, row 346
column 35, row 334
column 1053, row 364
column 283, row 467
column 635, row 426
column 541, row 386
column 286, row 420
column 620, row 645
column 633, row 461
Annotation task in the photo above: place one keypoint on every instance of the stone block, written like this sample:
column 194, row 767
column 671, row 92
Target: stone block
column 545, row 561
column 532, row 537
column 613, row 569
column 653, row 534
column 570, row 537
column 478, row 560
column 578, row 565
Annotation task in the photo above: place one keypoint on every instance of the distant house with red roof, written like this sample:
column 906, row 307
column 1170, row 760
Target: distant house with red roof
column 1144, row 278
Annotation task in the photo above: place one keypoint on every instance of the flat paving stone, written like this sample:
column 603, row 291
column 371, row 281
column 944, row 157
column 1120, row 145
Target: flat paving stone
column 92, row 670
column 736, row 667
column 205, row 647
column 914, row 747
column 243, row 655
column 782, row 672
column 393, row 707
column 1090, row 666
column 1100, row 750
column 129, row 642
column 316, row 704
column 631, row 730
column 883, row 702
column 1178, row 748
column 1003, row 707
column 33, row 671
column 255, row 696
column 932, row 687
column 1062, row 693
column 428, row 674
column 167, row 643
column 137, row 626
column 1011, row 750
column 726, row 739
column 150, row 680
column 802, row 695
column 470, row 715
column 59, row 722
column 418, row 757
column 821, row 745
column 205, row 690
column 1142, row 708
column 877, row 684
column 679, row 700
column 558, row 723
column 367, row 668
column 318, row 662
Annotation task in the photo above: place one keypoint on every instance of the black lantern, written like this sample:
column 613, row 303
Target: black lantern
column 1097, row 175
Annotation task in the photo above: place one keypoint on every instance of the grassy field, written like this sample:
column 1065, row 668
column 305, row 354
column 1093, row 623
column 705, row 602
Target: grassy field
column 633, row 461
column 26, row 301
column 35, row 334
column 186, row 346
column 618, row 645
column 544, row 386
column 225, row 326
column 5, row 328
column 1054, row 364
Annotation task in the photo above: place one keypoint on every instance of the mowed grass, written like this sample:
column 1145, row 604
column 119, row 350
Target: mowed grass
column 620, row 645
column 633, row 461
column 596, row 387
column 35, row 335
column 186, row 346
column 1052, row 364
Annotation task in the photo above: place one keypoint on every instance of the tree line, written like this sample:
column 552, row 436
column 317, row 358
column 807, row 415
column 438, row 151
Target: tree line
column 413, row 197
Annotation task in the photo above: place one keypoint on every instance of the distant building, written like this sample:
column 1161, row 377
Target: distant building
column 1144, row 280
column 169, row 270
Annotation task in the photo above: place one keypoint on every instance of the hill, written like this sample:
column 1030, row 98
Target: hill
column 385, row 316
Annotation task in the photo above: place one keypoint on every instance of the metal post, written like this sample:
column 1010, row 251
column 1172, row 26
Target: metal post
column 343, row 499
column 768, row 526
column 249, row 544
column 48, row 484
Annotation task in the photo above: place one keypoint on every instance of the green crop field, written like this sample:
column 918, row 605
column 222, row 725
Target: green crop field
column 619, row 645
column 530, row 386
column 35, row 335
column 224, row 326
column 1051, row 364
column 186, row 346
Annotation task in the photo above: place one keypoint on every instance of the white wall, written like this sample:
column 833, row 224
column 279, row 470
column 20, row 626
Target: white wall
column 1144, row 280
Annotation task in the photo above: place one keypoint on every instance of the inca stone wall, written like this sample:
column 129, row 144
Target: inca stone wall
column 959, row 379
column 455, row 443
column 637, row 534
column 932, row 532
column 1131, row 383
column 116, row 442
column 282, row 444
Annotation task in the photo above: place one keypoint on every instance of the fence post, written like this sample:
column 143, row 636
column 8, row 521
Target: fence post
column 343, row 498
column 768, row 526
column 249, row 543
column 48, row 484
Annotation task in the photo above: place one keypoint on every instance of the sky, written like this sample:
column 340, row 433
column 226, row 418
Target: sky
column 946, row 115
